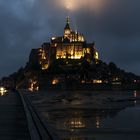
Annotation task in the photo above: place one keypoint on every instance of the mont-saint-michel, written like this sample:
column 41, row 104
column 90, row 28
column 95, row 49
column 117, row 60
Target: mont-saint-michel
column 69, row 70
column 66, row 92
column 70, row 62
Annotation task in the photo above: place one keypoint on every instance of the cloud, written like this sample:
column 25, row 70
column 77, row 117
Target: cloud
column 113, row 24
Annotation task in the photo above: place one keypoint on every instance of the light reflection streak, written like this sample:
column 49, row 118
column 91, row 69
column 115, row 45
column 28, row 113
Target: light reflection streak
column 74, row 123
column 135, row 96
column 135, row 93
column 79, row 122
column 97, row 122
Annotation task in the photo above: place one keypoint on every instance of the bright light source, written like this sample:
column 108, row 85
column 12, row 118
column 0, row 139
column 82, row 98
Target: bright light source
column 2, row 91
column 55, row 81
column 53, row 38
column 97, row 81
column 1, row 88
column 33, row 86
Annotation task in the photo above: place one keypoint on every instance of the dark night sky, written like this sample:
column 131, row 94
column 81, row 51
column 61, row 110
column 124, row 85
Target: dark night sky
column 113, row 24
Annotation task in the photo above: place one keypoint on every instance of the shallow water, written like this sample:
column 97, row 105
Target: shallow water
column 91, row 115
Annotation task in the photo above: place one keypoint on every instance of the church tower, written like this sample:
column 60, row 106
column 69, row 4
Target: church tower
column 67, row 30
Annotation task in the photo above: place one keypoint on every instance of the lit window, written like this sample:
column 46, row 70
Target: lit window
column 55, row 81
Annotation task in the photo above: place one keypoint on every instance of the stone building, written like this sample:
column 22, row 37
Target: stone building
column 72, row 45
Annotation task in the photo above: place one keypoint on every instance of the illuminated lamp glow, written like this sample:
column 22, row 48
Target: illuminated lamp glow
column 76, row 57
column 83, row 81
column 45, row 67
column 97, row 55
column 55, row 81
column 2, row 91
column 53, row 38
column 97, row 81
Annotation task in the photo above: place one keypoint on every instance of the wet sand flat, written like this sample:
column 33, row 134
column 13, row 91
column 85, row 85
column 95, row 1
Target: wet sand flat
column 90, row 115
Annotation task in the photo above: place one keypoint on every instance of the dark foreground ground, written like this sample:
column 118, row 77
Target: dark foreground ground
column 13, row 124
column 74, row 115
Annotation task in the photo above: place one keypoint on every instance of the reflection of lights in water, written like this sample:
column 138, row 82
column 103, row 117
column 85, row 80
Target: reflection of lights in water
column 135, row 96
column 135, row 93
column 97, row 122
column 74, row 123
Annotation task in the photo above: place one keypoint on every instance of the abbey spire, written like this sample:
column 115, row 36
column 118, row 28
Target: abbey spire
column 67, row 29
column 67, row 23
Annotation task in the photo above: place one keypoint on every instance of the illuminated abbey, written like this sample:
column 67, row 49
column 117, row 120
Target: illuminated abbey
column 72, row 46
column 69, row 62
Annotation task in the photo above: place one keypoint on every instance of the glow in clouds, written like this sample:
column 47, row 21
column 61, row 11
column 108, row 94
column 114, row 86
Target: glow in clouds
column 74, row 5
